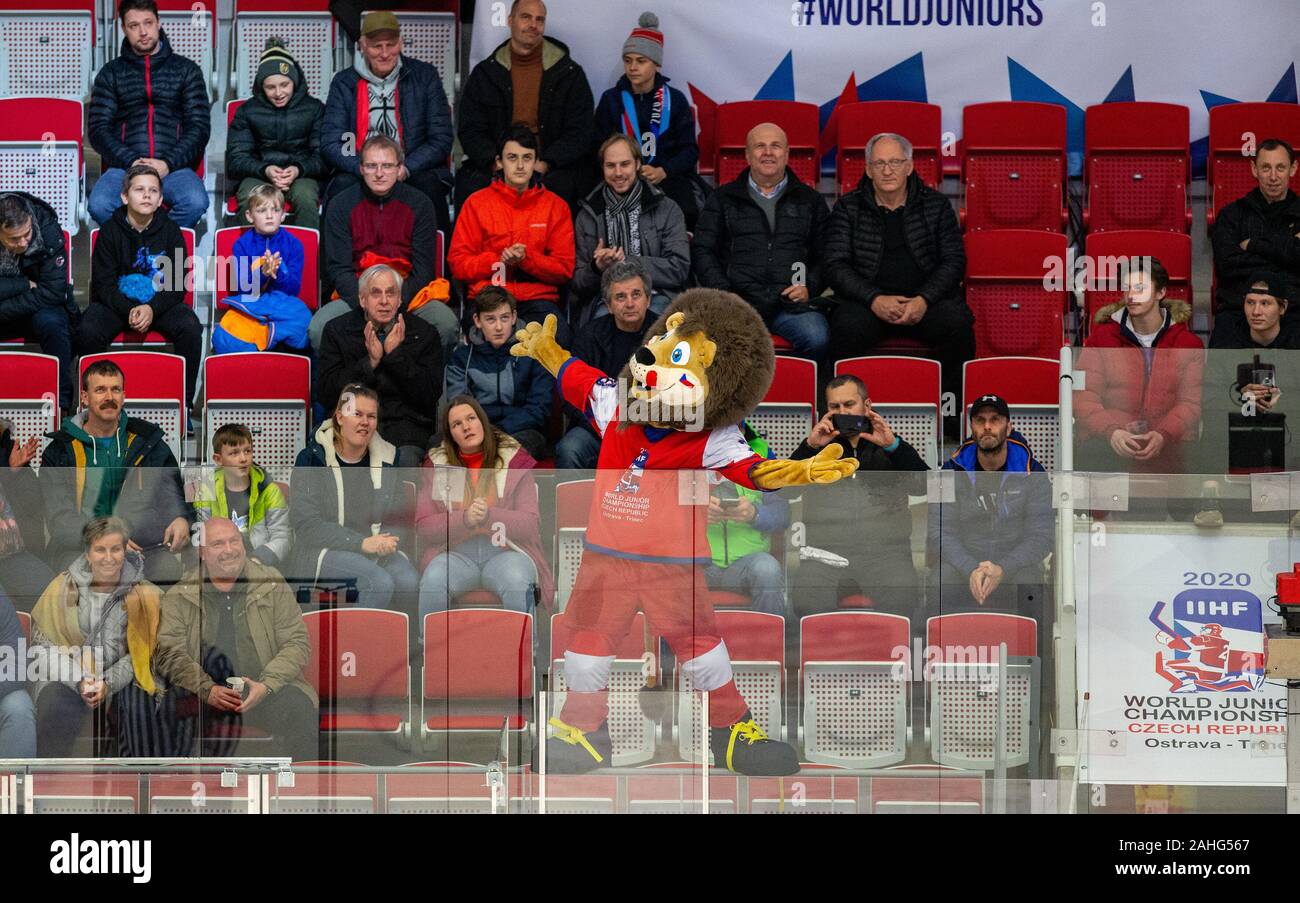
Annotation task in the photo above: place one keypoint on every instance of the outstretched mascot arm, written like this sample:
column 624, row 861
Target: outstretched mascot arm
column 824, row 467
column 537, row 340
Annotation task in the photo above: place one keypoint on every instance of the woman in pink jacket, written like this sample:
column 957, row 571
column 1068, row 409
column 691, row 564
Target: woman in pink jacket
column 477, row 518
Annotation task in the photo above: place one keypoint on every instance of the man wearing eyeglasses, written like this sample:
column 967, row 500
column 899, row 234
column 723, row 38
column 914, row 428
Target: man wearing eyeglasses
column 894, row 259
column 383, row 220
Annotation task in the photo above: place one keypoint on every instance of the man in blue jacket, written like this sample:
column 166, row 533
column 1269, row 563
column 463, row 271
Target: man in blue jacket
column 388, row 93
column 150, row 106
column 993, row 535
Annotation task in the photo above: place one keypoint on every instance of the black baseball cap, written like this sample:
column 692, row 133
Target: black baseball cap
column 996, row 402
column 1266, row 282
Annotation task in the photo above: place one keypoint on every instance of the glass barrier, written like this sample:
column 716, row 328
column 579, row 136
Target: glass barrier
column 640, row 640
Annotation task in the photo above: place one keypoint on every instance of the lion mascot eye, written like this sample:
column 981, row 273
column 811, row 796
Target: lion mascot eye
column 681, row 353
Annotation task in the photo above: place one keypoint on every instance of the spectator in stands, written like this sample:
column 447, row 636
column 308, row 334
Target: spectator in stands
column 516, row 393
column 529, row 79
column 629, row 216
column 241, row 492
column 17, row 714
column 275, row 137
column 655, row 117
column 761, row 237
column 1263, row 323
column 231, row 618
column 895, row 261
column 479, row 521
column 993, row 535
column 103, row 463
column 267, row 261
column 516, row 234
column 1258, row 231
column 741, row 524
column 396, row 354
column 348, row 513
column 385, row 92
column 36, row 300
column 865, row 521
column 383, row 220
column 607, row 343
column 149, row 107
column 1142, row 396
column 94, row 634
column 23, row 576
column 137, row 278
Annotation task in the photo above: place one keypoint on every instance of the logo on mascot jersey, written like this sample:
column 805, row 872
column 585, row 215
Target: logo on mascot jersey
column 631, row 480
column 1215, row 644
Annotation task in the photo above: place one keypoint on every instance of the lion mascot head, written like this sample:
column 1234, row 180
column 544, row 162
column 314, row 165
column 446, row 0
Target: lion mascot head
column 707, row 362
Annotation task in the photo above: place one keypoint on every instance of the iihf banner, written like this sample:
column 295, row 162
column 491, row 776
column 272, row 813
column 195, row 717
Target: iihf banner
column 1198, row 53
column 1171, row 657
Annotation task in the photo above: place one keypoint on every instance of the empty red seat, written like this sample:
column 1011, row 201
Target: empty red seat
column 478, row 670
column 360, row 669
column 1137, row 166
column 1014, row 166
column 1007, row 288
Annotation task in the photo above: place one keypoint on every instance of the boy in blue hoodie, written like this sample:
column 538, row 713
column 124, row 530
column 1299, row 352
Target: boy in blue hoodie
column 515, row 392
column 268, row 264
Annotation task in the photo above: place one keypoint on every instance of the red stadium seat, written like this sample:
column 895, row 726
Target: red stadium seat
column 155, row 390
column 632, row 732
column 963, row 693
column 268, row 392
column 110, row 792
column 47, row 48
column 1006, row 271
column 789, row 409
column 478, row 671
column 854, row 672
column 29, row 394
column 41, row 141
column 360, row 669
column 823, row 792
column 680, row 792
column 230, row 188
column 925, row 790
column 307, row 29
column 1013, row 166
column 132, row 338
column 572, row 508
column 907, row 391
column 801, row 122
column 189, row 792
column 319, row 790
column 919, row 123
column 1031, row 389
column 584, row 794
column 444, row 788
column 1137, row 166
column 310, row 291
column 756, row 644
column 1105, row 250
column 1234, row 129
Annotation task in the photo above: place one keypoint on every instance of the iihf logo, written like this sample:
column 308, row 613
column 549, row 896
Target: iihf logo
column 1216, row 643
column 631, row 481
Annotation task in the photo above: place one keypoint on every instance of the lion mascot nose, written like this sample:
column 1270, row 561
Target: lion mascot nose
column 645, row 357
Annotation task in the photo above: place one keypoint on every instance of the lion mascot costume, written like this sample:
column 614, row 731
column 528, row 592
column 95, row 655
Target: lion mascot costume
column 674, row 410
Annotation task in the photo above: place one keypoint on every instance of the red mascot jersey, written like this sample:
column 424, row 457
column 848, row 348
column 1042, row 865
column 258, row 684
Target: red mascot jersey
column 636, row 509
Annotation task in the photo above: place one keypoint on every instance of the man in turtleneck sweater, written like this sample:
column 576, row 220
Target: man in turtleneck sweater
column 529, row 79
column 387, row 93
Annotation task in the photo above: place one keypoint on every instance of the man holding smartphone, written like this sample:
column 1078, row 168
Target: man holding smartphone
column 865, row 519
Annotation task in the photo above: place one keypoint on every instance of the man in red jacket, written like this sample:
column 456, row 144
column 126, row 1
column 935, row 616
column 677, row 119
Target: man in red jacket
column 516, row 235
column 1144, row 400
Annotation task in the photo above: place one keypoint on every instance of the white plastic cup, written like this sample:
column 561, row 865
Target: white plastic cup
column 236, row 684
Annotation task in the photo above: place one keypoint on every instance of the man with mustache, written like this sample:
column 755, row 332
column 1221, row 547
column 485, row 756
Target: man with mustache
column 103, row 463
column 235, row 618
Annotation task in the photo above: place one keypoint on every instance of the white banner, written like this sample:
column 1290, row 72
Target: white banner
column 948, row 52
column 1171, row 656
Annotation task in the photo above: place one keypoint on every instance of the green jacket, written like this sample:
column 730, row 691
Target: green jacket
column 274, row 623
column 267, row 531
column 732, row 540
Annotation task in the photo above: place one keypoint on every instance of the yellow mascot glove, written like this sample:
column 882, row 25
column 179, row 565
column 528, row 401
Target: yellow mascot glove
column 824, row 467
column 537, row 340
